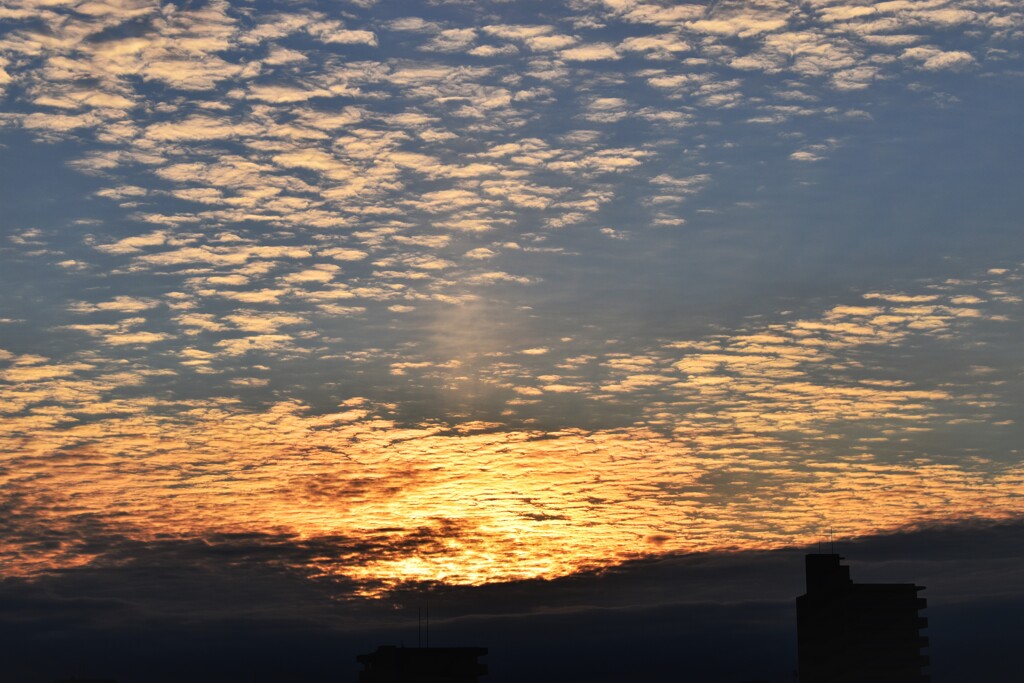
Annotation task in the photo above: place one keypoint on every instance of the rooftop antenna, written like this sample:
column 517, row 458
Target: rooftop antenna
column 831, row 543
column 423, row 624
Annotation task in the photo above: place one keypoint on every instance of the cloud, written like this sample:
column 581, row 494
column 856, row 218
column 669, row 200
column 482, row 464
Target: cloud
column 936, row 60
column 718, row 432
column 223, row 256
column 121, row 303
column 254, row 296
column 495, row 276
column 134, row 244
column 414, row 24
column 653, row 13
column 258, row 342
column 301, row 207
column 140, row 338
column 199, row 128
column 280, row 55
column 60, row 122
column 320, row 273
column 200, row 321
column 256, row 321
column 493, row 50
column 591, row 52
column 285, row 94
column 845, row 12
column 451, row 40
column 803, row 155
column 742, row 26
column 344, row 254
column 660, row 46
column 518, row 31
column 480, row 253
column 40, row 371
column 347, row 37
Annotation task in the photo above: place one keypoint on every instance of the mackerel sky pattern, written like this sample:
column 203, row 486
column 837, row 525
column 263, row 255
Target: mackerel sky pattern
column 472, row 291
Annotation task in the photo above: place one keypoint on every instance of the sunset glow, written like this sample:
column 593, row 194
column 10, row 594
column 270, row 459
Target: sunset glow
column 760, row 439
column 474, row 292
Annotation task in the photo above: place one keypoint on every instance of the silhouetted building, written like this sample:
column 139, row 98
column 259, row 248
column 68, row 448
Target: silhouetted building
column 389, row 664
column 858, row 632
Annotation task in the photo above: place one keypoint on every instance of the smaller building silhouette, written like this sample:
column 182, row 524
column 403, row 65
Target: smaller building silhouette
column 390, row 664
column 858, row 632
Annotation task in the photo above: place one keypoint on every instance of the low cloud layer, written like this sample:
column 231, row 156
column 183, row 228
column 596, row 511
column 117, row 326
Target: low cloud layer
column 230, row 609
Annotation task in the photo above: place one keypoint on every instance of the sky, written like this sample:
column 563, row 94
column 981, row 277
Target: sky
column 361, row 297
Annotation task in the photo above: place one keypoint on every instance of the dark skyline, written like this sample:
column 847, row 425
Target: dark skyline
column 729, row 617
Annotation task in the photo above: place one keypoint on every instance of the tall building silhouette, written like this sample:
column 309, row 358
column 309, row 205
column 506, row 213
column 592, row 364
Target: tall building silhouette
column 858, row 632
column 389, row 664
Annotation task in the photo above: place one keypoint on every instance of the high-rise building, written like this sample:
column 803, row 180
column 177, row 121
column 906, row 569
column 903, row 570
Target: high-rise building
column 858, row 632
column 389, row 664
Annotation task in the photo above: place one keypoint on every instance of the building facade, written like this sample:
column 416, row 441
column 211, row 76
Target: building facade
column 389, row 664
column 858, row 632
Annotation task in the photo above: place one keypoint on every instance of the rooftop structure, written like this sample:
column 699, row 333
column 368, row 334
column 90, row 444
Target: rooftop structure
column 389, row 664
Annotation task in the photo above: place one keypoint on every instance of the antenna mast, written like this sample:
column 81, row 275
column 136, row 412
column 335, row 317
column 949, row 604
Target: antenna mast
column 423, row 623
